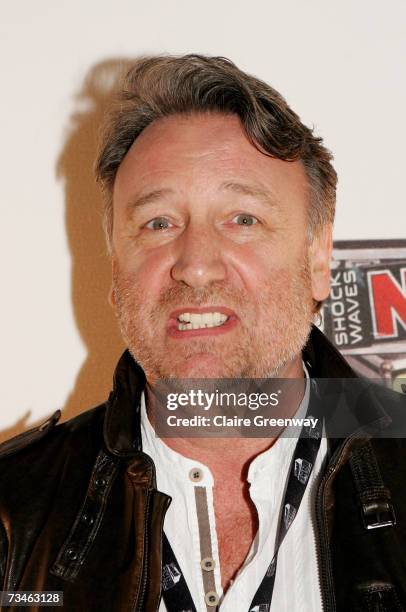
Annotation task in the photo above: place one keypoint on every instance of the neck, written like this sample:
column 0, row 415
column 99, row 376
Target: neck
column 230, row 455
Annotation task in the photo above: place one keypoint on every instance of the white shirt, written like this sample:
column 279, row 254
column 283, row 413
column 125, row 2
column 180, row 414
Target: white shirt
column 296, row 587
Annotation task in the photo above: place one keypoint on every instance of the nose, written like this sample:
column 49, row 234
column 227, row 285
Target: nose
column 199, row 260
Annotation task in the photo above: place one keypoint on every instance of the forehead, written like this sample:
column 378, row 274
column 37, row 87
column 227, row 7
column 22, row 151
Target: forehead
column 201, row 151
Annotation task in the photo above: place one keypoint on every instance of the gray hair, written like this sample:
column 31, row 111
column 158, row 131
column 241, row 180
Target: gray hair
column 160, row 86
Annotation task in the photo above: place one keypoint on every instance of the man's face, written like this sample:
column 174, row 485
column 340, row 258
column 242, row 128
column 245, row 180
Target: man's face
column 213, row 274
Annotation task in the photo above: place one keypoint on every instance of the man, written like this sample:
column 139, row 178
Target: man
column 219, row 209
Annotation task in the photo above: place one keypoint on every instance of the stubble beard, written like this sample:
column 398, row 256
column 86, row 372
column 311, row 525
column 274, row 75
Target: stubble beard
column 273, row 328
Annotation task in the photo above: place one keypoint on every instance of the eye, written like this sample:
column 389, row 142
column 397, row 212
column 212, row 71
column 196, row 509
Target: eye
column 159, row 223
column 245, row 219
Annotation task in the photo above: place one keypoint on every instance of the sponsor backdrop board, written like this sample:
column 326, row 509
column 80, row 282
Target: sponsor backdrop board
column 365, row 315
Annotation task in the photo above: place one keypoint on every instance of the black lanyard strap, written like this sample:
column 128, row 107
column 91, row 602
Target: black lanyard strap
column 301, row 467
column 175, row 591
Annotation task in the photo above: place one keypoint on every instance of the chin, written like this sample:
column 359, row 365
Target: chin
column 200, row 366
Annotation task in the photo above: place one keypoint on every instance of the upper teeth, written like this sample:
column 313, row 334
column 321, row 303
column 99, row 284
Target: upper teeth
column 194, row 320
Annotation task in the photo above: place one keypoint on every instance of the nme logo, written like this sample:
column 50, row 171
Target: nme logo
column 388, row 301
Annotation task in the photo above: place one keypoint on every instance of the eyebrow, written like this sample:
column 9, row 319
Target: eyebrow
column 256, row 191
column 147, row 198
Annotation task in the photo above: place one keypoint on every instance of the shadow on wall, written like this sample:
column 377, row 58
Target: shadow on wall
column 90, row 263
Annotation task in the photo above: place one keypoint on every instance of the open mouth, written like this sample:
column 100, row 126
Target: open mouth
column 188, row 322
column 193, row 320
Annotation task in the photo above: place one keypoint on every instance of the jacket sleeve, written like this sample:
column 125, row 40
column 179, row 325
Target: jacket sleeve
column 3, row 554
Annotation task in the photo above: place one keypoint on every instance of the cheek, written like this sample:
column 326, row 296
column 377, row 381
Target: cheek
column 272, row 275
column 150, row 271
column 255, row 266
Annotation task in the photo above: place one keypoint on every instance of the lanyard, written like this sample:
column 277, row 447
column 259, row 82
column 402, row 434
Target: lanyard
column 302, row 464
column 175, row 591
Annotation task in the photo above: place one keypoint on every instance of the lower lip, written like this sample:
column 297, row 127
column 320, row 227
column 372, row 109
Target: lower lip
column 174, row 332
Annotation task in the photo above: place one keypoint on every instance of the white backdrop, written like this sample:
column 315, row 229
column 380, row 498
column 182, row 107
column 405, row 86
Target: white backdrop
column 340, row 64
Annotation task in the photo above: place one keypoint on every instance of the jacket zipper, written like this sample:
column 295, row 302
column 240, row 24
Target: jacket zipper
column 326, row 573
column 141, row 593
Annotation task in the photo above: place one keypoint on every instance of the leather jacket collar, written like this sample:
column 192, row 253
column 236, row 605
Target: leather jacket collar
column 122, row 426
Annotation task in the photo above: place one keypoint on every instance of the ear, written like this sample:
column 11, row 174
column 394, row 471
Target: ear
column 112, row 297
column 320, row 257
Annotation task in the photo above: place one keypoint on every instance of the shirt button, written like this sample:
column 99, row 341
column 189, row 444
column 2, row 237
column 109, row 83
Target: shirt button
column 208, row 564
column 196, row 475
column 211, row 598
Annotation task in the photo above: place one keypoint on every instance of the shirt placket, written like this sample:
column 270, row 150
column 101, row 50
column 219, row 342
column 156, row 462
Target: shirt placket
column 207, row 565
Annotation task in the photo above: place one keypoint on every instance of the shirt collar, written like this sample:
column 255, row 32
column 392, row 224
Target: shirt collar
column 282, row 449
column 166, row 457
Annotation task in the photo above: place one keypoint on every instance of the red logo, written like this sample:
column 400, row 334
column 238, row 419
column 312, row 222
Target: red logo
column 388, row 301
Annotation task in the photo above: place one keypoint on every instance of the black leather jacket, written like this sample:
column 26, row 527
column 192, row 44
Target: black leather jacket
column 80, row 513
